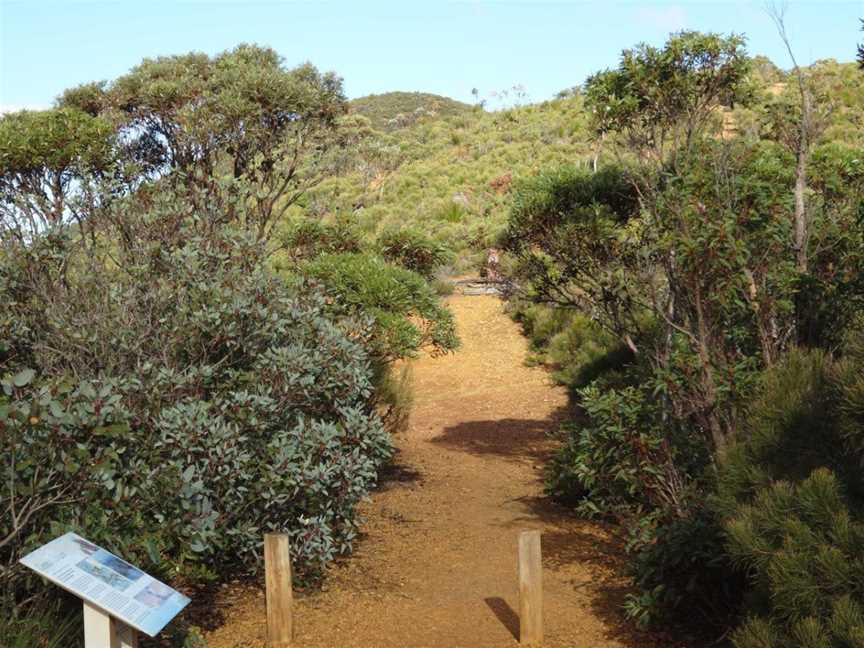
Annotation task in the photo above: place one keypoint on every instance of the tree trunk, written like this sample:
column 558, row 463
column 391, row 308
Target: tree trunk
column 801, row 225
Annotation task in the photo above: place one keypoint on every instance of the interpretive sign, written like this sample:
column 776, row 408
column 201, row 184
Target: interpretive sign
column 107, row 582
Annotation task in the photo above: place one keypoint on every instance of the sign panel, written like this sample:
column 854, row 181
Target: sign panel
column 108, row 582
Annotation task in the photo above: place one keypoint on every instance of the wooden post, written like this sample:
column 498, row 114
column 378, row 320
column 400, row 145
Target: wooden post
column 277, row 578
column 103, row 631
column 530, row 589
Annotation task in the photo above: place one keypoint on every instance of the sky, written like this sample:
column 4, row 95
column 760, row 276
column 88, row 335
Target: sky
column 377, row 46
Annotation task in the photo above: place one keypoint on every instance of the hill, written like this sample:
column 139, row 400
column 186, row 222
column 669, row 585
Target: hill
column 451, row 176
column 449, row 172
column 399, row 109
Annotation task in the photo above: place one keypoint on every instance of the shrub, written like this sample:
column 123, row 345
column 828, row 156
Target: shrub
column 578, row 351
column 621, row 461
column 310, row 238
column 685, row 576
column 395, row 396
column 413, row 250
column 802, row 548
column 179, row 409
column 791, row 496
column 407, row 313
column 43, row 627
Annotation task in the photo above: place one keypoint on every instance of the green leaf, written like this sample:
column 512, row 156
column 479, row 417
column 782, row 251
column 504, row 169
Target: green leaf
column 23, row 378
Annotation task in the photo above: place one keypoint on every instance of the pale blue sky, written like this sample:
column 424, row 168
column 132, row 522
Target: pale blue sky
column 443, row 47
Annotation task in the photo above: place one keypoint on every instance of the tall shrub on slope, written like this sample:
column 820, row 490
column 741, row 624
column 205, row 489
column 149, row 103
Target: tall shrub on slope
column 174, row 400
column 407, row 312
column 240, row 125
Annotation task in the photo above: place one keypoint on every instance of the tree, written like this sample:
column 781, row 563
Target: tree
column 49, row 161
column 861, row 52
column 697, row 287
column 239, row 123
column 802, row 143
column 802, row 130
column 660, row 101
column 657, row 107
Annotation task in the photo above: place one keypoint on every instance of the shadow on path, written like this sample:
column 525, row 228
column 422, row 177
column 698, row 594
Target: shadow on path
column 524, row 440
column 506, row 614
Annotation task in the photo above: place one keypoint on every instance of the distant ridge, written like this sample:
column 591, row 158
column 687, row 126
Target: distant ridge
column 392, row 110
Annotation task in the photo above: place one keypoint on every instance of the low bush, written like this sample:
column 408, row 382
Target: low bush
column 407, row 313
column 791, row 496
column 414, row 250
column 310, row 238
column 574, row 347
column 395, row 397
column 178, row 409
column 620, row 461
column 776, row 551
column 684, row 575
column 44, row 627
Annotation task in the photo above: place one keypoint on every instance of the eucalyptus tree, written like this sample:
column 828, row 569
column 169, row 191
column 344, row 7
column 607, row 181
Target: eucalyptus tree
column 50, row 165
column 240, row 126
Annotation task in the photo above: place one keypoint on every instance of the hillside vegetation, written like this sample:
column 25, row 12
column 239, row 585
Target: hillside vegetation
column 391, row 110
column 450, row 177
column 211, row 266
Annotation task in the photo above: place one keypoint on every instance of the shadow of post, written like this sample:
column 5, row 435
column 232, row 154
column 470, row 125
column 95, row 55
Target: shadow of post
column 506, row 615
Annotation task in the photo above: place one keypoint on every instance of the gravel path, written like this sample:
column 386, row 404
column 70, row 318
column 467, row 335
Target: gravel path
column 436, row 565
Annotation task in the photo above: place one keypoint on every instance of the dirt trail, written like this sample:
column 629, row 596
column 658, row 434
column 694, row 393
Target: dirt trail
column 436, row 565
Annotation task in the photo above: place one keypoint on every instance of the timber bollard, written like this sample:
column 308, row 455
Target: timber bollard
column 530, row 589
column 277, row 579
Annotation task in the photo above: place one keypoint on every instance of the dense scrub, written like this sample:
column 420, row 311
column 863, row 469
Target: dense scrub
column 182, row 369
column 209, row 266
column 709, row 344
column 392, row 110
column 450, row 177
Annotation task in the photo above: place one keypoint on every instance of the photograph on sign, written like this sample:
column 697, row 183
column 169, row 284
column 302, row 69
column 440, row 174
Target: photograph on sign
column 107, row 581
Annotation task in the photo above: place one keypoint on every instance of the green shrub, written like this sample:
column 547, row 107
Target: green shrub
column 407, row 313
column 395, row 396
column 685, row 576
column 791, row 497
column 310, row 238
column 617, row 460
column 414, row 250
column 443, row 287
column 44, row 627
column 803, row 550
column 183, row 407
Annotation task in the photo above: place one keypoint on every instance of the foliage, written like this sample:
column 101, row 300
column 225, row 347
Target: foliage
column 623, row 460
column 239, row 124
column 395, row 396
column 414, row 250
column 49, row 161
column 174, row 401
column 392, row 110
column 450, row 177
column 407, row 313
column 661, row 100
column 566, row 230
column 308, row 239
column 684, row 254
column 570, row 344
column 43, row 627
column 791, row 499
column 163, row 392
column 685, row 577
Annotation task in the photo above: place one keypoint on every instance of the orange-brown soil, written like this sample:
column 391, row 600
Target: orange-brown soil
column 436, row 564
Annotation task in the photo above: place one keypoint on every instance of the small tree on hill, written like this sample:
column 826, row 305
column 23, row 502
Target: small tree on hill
column 239, row 123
